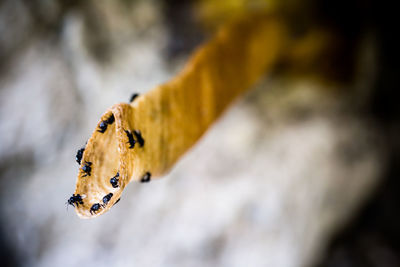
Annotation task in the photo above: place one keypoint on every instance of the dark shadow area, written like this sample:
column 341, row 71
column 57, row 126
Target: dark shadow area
column 184, row 34
column 7, row 256
column 372, row 238
column 11, row 174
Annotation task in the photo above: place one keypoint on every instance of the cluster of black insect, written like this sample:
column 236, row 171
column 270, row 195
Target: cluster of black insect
column 132, row 141
column 96, row 206
column 104, row 124
column 87, row 167
column 75, row 200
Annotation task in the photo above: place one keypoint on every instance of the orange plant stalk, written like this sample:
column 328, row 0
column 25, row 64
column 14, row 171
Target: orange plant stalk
column 173, row 116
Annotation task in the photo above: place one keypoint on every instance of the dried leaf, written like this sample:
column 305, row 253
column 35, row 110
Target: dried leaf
column 173, row 116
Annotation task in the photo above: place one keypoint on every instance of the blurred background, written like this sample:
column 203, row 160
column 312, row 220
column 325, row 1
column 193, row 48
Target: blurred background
column 301, row 171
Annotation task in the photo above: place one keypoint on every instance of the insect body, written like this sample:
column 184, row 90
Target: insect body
column 103, row 127
column 106, row 199
column 104, row 124
column 146, row 177
column 139, row 137
column 117, row 201
column 130, row 138
column 95, row 207
column 79, row 155
column 110, row 120
column 86, row 168
column 133, row 96
column 75, row 200
column 114, row 180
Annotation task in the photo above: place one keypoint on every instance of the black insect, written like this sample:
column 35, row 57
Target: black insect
column 133, row 96
column 114, row 181
column 86, row 168
column 75, row 200
column 131, row 140
column 146, row 177
column 103, row 127
column 95, row 207
column 104, row 124
column 110, row 120
column 106, row 199
column 79, row 155
column 139, row 137
column 117, row 201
